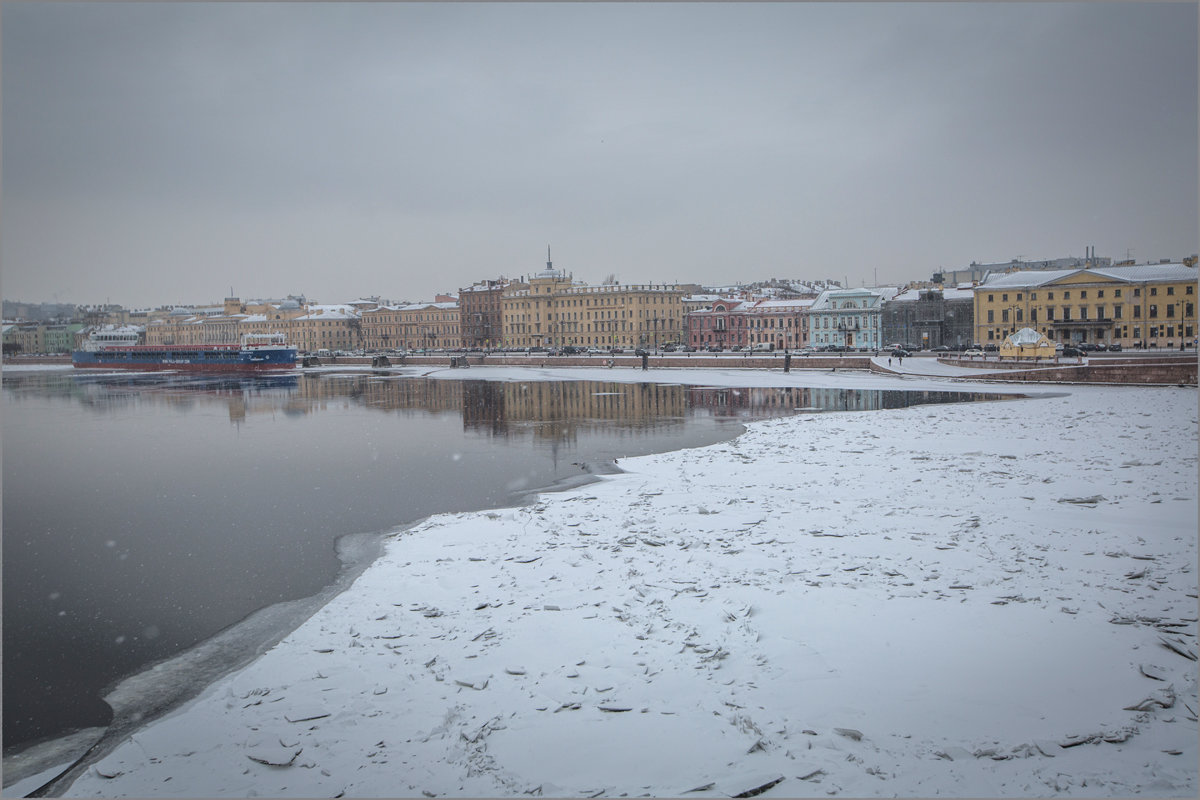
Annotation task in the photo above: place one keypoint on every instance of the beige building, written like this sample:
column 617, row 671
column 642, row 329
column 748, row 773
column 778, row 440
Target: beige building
column 326, row 327
column 381, row 328
column 415, row 326
column 431, row 326
column 552, row 310
column 307, row 326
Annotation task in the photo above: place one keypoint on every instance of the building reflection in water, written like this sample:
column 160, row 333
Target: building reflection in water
column 545, row 410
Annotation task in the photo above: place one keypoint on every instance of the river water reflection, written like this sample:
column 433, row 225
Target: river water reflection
column 144, row 513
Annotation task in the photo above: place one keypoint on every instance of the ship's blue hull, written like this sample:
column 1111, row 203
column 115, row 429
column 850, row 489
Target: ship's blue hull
column 212, row 357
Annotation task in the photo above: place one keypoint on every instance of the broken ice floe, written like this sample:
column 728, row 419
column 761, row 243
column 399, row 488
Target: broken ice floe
column 306, row 714
column 748, row 785
column 272, row 752
column 1152, row 671
column 1176, row 645
column 1163, row 698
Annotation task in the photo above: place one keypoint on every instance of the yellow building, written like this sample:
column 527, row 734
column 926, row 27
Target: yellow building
column 429, row 326
column 225, row 324
column 551, row 310
column 381, row 328
column 326, row 327
column 1150, row 305
column 309, row 327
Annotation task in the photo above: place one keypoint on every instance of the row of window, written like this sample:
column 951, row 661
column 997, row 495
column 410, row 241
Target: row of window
column 1189, row 310
column 588, row 302
column 1104, row 334
column 1083, row 293
column 589, row 315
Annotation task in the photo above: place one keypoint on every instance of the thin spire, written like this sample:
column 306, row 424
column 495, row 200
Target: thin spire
column 549, row 263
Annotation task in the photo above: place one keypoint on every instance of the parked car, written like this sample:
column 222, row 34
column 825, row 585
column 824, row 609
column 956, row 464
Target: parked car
column 763, row 347
column 900, row 354
column 1115, row 347
column 1072, row 352
column 941, row 348
column 991, row 348
column 641, row 352
column 974, row 351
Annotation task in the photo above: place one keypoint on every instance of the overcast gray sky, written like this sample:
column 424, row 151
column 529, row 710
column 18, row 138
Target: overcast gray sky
column 162, row 153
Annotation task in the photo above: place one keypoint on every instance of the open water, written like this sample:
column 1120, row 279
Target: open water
column 145, row 513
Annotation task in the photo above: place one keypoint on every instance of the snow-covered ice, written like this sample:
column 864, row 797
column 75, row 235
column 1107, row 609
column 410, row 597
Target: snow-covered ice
column 992, row 599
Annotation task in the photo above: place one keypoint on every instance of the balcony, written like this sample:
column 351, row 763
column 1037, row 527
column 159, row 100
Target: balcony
column 1080, row 323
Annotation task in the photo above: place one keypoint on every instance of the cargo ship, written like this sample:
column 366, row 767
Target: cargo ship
column 119, row 350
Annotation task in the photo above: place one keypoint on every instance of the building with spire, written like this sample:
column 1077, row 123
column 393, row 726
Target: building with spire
column 553, row 310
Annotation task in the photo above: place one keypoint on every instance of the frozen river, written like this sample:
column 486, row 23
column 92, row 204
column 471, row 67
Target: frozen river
column 145, row 513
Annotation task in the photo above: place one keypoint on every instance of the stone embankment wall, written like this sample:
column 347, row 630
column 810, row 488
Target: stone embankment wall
column 1168, row 370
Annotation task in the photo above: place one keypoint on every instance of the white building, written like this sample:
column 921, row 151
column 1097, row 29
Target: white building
column 848, row 318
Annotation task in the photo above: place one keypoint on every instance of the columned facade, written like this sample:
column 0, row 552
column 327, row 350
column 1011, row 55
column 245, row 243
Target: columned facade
column 1144, row 306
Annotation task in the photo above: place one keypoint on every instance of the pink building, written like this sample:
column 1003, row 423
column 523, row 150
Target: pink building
column 729, row 322
column 721, row 326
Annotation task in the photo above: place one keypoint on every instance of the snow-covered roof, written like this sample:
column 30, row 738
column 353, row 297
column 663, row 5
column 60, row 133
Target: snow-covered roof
column 419, row 306
column 332, row 308
column 783, row 305
column 952, row 293
column 730, row 303
column 1025, row 336
column 330, row 315
column 826, row 298
column 1135, row 273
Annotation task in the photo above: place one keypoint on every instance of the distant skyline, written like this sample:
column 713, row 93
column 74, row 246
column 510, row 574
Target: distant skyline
column 159, row 153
